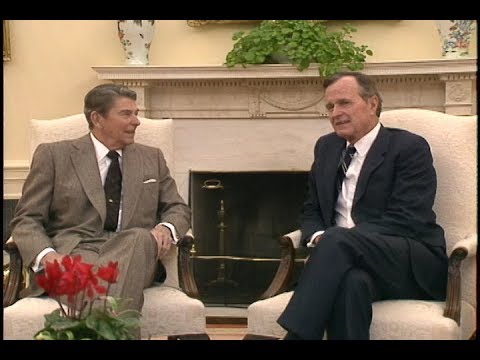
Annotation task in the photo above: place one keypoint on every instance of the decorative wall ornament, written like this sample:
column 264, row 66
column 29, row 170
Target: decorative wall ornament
column 136, row 37
column 6, row 41
column 221, row 93
column 455, row 37
column 294, row 97
column 458, row 92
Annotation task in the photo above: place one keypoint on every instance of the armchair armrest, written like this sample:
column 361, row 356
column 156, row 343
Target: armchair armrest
column 469, row 244
column 13, row 280
column 463, row 249
column 296, row 237
column 288, row 243
column 13, row 274
column 185, row 270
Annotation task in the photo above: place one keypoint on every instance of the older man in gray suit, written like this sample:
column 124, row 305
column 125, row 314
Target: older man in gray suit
column 63, row 208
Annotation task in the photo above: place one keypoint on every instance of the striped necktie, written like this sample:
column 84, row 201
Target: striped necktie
column 342, row 169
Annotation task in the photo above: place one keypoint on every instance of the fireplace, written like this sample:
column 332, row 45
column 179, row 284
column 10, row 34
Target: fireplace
column 238, row 218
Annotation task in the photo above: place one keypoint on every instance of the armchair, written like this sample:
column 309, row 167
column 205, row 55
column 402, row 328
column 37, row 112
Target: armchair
column 170, row 308
column 453, row 143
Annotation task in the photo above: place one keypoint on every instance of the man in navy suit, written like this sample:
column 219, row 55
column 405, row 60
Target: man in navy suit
column 371, row 230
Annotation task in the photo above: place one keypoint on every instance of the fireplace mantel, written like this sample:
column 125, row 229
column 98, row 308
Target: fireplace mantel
column 271, row 91
column 279, row 71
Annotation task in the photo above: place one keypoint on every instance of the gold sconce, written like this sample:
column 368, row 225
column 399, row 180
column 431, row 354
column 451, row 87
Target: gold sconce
column 6, row 41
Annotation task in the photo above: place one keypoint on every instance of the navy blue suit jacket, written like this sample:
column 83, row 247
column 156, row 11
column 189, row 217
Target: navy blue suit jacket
column 394, row 196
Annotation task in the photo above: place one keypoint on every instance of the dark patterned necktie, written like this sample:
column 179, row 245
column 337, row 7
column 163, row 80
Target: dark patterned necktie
column 113, row 191
column 342, row 169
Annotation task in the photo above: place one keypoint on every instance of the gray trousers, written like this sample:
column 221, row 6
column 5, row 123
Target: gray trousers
column 135, row 250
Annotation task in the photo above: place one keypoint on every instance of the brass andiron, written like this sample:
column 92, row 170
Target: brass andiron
column 221, row 279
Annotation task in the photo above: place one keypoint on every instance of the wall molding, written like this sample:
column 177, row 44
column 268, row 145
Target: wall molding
column 281, row 91
column 140, row 75
column 14, row 174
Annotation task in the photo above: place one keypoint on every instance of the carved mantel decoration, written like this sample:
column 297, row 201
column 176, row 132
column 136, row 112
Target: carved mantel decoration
column 281, row 91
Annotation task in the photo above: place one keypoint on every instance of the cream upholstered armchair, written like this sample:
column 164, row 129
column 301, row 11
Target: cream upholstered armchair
column 170, row 308
column 453, row 143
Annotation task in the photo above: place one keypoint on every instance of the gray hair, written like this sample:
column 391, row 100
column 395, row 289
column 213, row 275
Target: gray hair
column 366, row 83
column 102, row 97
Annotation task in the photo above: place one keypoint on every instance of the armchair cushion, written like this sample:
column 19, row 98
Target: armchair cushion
column 166, row 311
column 392, row 319
column 169, row 311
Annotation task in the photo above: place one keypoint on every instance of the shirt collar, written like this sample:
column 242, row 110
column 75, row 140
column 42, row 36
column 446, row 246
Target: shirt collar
column 363, row 145
column 101, row 150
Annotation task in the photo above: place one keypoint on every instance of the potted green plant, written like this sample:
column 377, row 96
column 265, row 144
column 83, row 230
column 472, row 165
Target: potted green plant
column 300, row 42
column 79, row 286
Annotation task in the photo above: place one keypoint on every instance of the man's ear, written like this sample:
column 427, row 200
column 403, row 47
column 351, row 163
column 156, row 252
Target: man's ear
column 96, row 119
column 374, row 101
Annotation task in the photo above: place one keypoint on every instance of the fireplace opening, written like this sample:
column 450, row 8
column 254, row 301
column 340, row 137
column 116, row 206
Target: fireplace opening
column 237, row 219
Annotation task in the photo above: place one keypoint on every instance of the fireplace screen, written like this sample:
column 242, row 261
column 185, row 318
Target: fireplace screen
column 237, row 219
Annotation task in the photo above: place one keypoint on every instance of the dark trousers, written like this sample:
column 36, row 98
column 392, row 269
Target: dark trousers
column 344, row 274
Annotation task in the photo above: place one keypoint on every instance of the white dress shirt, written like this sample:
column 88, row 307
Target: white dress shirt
column 343, row 206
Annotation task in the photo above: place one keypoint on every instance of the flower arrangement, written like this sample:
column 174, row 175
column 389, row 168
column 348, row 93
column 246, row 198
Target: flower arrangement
column 79, row 319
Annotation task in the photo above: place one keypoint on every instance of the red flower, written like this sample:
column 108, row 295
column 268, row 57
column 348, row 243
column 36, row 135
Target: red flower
column 51, row 279
column 109, row 273
column 77, row 279
column 76, row 287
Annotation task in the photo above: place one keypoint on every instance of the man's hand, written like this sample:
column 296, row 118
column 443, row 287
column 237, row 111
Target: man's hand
column 316, row 239
column 51, row 257
column 163, row 236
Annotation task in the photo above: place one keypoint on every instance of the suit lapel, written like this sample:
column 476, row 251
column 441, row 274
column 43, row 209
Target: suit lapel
column 132, row 168
column 331, row 163
column 374, row 158
column 85, row 164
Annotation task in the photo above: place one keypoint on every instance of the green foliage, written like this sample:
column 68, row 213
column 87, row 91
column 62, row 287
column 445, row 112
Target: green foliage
column 79, row 319
column 105, row 323
column 302, row 42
